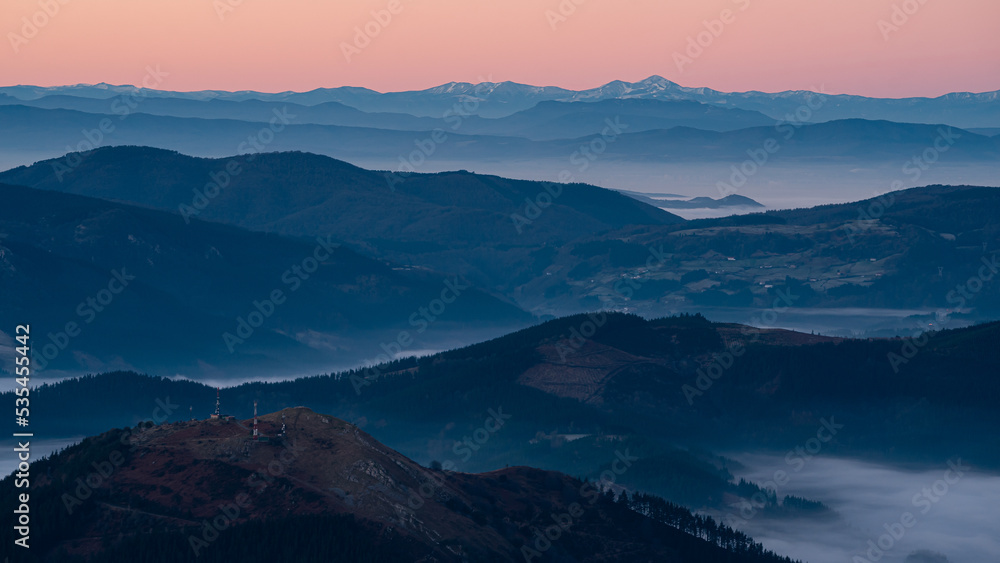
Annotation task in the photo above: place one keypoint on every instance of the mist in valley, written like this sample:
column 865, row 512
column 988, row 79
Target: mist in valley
column 911, row 515
column 776, row 185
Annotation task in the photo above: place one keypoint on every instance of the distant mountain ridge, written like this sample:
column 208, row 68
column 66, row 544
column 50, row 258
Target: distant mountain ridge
column 733, row 200
column 495, row 99
column 33, row 134
column 545, row 121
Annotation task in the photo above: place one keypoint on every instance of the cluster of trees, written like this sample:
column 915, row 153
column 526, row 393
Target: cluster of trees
column 703, row 527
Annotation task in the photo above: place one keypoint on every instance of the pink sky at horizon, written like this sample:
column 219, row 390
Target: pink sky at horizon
column 264, row 45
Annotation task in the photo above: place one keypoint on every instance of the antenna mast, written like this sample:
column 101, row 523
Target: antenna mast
column 255, row 420
column 218, row 413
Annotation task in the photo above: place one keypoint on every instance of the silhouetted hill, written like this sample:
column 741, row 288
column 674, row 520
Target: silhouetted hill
column 958, row 210
column 205, row 490
column 733, row 200
column 909, row 249
column 479, row 226
column 568, row 120
column 856, row 140
column 145, row 290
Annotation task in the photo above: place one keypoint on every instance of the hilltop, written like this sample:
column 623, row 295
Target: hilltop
column 486, row 228
column 207, row 490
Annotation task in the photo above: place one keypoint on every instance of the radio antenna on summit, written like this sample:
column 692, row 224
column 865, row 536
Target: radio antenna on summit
column 218, row 412
column 255, row 420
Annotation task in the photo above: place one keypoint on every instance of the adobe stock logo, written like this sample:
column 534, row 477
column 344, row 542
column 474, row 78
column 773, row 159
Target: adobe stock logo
column 294, row 277
column 696, row 44
column 562, row 13
column 582, row 159
column 364, row 35
column 900, row 16
column 925, row 500
column 31, row 26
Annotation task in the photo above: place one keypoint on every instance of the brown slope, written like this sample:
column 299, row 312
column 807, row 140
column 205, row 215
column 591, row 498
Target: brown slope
column 584, row 370
column 176, row 477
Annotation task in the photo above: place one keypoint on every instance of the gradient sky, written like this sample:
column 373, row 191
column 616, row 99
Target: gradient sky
column 277, row 45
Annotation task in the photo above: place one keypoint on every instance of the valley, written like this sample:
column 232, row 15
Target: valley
column 310, row 292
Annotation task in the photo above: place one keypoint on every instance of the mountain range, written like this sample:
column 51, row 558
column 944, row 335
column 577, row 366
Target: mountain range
column 787, row 149
column 547, row 120
column 34, row 131
column 483, row 227
column 555, row 249
column 499, row 340
column 497, row 99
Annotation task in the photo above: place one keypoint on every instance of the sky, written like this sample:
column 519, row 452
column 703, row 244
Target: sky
column 885, row 48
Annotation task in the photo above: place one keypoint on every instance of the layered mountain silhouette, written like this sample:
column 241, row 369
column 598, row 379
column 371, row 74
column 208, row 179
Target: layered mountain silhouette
column 497, row 99
column 144, row 288
column 547, row 120
column 35, row 131
column 563, row 248
column 458, row 222
column 513, row 369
